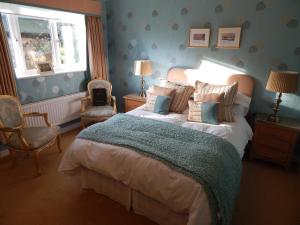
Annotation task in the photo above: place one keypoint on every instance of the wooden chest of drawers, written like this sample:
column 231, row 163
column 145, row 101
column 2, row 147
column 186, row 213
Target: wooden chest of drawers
column 133, row 101
column 275, row 142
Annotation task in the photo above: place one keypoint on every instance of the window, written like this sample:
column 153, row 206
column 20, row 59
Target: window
column 35, row 40
column 32, row 39
column 9, row 38
column 68, row 46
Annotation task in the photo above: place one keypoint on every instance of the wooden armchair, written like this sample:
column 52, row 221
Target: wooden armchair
column 90, row 113
column 20, row 138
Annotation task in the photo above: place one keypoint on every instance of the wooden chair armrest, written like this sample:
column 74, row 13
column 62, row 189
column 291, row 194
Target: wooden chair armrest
column 114, row 103
column 19, row 132
column 87, row 98
column 35, row 114
column 85, row 101
column 8, row 129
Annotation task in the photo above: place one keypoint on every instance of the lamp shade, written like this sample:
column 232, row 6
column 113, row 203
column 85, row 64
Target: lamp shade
column 143, row 68
column 282, row 81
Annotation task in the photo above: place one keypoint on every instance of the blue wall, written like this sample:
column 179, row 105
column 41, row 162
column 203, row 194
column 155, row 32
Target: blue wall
column 41, row 88
column 156, row 29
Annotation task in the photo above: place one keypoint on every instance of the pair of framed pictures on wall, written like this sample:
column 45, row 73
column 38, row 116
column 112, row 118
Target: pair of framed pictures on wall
column 227, row 37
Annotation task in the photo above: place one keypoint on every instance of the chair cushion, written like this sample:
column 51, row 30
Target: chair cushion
column 100, row 84
column 99, row 97
column 99, row 111
column 35, row 136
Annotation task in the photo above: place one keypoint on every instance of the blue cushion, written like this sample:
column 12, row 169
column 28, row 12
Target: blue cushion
column 203, row 112
column 210, row 112
column 162, row 105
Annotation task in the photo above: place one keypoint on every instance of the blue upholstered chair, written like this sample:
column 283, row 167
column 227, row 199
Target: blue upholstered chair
column 90, row 113
column 20, row 138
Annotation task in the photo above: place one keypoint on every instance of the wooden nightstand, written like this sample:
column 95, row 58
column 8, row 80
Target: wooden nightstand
column 275, row 142
column 133, row 101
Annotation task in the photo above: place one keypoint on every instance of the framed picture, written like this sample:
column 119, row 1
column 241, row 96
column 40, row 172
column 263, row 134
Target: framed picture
column 199, row 38
column 229, row 37
column 45, row 68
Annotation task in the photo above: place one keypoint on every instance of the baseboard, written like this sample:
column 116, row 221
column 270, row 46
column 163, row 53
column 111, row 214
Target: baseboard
column 64, row 128
column 70, row 126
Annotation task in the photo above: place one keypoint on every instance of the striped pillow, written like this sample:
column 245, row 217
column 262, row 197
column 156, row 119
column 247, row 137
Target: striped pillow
column 230, row 93
column 213, row 97
column 155, row 91
column 150, row 101
column 181, row 98
column 203, row 112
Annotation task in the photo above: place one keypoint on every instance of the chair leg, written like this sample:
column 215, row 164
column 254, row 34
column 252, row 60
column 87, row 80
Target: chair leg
column 58, row 142
column 13, row 158
column 37, row 162
column 82, row 124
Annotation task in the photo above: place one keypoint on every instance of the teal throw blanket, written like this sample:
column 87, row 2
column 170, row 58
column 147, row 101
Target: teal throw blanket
column 208, row 159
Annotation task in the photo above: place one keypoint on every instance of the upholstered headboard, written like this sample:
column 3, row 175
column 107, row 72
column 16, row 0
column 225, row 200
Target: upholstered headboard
column 189, row 76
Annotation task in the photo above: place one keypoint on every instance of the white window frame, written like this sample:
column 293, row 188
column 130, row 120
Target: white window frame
column 12, row 14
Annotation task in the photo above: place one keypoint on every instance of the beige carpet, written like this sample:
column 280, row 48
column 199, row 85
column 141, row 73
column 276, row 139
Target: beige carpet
column 269, row 196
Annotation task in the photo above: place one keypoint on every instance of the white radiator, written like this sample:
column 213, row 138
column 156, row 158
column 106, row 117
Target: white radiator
column 60, row 110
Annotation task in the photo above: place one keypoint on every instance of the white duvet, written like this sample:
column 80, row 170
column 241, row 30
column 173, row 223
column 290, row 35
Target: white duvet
column 150, row 177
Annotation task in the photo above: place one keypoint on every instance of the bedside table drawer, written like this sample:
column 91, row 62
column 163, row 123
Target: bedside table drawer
column 266, row 152
column 130, row 105
column 275, row 144
column 273, row 132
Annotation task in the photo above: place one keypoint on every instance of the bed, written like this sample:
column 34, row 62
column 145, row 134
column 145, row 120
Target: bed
column 145, row 185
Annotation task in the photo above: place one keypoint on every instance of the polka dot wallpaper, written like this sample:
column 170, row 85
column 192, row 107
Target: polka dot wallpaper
column 158, row 30
column 41, row 88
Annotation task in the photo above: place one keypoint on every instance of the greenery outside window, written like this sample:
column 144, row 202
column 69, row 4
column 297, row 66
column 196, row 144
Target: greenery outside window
column 33, row 40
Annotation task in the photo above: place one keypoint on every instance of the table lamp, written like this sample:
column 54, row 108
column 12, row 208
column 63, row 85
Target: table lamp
column 142, row 68
column 281, row 82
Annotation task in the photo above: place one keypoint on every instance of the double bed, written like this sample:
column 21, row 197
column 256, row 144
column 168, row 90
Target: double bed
column 146, row 185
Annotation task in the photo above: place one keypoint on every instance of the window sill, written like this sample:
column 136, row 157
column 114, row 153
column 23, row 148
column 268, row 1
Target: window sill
column 22, row 77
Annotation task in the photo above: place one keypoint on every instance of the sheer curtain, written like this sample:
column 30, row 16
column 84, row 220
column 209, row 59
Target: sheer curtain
column 96, row 50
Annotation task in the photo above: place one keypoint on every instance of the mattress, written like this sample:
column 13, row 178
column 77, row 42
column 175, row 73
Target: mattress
column 150, row 177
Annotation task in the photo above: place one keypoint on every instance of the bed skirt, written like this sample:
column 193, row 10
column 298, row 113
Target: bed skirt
column 129, row 198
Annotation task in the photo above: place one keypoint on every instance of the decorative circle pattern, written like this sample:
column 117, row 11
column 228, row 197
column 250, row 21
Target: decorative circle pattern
column 55, row 89
column 219, row 9
column 182, row 47
column 130, row 15
column 154, row 46
column 175, row 26
column 253, row 49
column 293, row 23
column 260, row 6
column 148, row 27
column 207, row 25
column 154, row 13
column 184, row 11
column 246, row 24
column 297, row 51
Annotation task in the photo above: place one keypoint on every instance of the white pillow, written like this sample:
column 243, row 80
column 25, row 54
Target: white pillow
column 241, row 104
